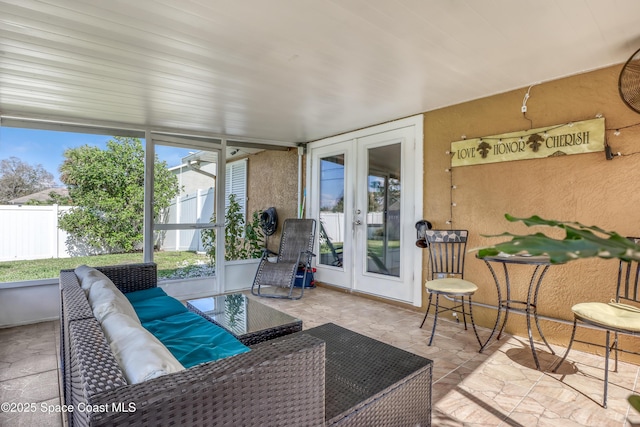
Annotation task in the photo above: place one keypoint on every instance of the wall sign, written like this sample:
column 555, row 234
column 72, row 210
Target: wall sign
column 575, row 138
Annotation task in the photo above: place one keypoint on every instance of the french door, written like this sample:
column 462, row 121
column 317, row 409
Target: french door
column 366, row 194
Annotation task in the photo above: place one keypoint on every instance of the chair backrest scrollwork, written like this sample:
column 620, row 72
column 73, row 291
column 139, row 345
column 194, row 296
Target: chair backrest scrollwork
column 447, row 250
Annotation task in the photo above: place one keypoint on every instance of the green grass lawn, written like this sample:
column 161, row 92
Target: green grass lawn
column 170, row 265
column 377, row 248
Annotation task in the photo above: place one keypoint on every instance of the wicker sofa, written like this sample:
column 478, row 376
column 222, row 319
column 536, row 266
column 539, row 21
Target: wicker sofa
column 279, row 382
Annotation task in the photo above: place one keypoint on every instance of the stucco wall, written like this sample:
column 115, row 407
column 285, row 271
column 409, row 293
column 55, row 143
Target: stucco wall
column 585, row 187
column 273, row 181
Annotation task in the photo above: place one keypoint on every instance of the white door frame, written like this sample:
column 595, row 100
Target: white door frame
column 414, row 274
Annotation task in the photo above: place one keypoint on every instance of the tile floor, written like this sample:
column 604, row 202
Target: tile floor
column 496, row 388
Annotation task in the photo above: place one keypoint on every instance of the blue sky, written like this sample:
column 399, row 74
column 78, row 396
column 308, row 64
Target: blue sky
column 332, row 183
column 47, row 147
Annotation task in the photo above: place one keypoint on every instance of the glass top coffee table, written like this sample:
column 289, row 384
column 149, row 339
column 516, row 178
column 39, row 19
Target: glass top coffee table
column 248, row 320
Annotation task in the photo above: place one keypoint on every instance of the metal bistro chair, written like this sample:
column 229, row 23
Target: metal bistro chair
column 296, row 245
column 447, row 249
column 620, row 316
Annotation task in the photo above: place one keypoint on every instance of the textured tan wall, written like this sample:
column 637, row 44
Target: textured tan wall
column 273, row 181
column 585, row 187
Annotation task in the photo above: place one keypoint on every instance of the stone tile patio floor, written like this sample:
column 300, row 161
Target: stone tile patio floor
column 496, row 388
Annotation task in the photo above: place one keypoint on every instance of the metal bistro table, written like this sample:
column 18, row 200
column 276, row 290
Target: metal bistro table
column 529, row 307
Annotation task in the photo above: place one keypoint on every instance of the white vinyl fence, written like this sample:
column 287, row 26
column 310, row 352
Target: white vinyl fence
column 334, row 225
column 189, row 208
column 31, row 232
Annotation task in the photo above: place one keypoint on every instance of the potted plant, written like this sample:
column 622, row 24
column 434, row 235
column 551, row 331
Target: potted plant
column 243, row 243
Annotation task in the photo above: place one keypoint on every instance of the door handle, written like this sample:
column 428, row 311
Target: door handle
column 358, row 222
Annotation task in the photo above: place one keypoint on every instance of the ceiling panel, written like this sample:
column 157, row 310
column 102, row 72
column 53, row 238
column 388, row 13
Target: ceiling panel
column 290, row 70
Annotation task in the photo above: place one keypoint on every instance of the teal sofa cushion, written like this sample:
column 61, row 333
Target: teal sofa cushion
column 189, row 337
column 157, row 307
column 137, row 296
column 194, row 340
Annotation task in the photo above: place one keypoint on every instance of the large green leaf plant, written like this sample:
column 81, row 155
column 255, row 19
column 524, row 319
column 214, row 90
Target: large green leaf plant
column 580, row 241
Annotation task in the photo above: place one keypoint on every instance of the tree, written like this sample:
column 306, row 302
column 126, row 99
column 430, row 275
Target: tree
column 18, row 179
column 107, row 187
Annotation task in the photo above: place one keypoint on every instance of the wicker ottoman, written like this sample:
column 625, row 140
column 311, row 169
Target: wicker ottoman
column 370, row 383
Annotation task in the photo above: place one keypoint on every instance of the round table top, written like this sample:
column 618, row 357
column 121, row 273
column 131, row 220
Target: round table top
column 518, row 259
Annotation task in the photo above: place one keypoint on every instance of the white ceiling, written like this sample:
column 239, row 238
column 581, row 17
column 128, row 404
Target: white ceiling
column 290, row 70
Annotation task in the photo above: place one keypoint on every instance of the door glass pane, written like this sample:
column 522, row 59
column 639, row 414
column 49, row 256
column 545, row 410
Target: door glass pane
column 331, row 210
column 383, row 211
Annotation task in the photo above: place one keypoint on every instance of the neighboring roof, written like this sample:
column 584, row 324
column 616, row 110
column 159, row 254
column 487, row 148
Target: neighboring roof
column 40, row 196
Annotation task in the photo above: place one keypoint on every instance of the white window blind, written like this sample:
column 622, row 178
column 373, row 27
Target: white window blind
column 236, row 183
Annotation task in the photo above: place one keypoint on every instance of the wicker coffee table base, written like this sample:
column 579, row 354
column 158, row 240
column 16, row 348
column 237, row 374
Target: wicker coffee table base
column 370, row 383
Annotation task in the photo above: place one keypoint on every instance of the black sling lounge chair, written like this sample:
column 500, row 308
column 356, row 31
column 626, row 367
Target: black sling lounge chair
column 296, row 245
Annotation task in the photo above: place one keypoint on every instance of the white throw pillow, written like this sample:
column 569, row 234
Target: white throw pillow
column 105, row 299
column 88, row 276
column 141, row 356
